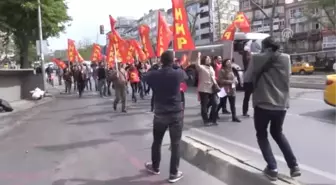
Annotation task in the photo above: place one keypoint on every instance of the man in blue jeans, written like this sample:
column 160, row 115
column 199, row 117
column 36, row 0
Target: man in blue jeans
column 168, row 113
column 271, row 74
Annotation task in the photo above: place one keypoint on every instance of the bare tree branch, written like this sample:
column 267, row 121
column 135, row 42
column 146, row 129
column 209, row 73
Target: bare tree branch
column 260, row 8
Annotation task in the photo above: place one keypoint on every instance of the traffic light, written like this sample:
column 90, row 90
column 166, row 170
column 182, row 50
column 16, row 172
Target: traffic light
column 101, row 28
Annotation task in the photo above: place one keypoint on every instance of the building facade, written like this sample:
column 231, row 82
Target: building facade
column 204, row 18
column 307, row 35
column 261, row 23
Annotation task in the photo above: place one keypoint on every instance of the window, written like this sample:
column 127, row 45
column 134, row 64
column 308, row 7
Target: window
column 205, row 25
column 204, row 14
column 205, row 36
column 292, row 13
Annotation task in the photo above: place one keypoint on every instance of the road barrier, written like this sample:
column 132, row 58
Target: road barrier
column 223, row 165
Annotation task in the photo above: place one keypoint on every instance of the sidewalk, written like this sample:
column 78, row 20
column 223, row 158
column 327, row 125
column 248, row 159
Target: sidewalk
column 85, row 142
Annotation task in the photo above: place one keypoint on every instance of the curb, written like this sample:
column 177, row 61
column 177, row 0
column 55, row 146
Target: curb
column 224, row 166
column 13, row 119
column 319, row 86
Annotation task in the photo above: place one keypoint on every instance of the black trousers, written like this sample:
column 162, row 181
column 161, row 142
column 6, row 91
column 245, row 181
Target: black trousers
column 208, row 99
column 135, row 87
column 183, row 99
column 264, row 117
column 248, row 88
column 174, row 123
column 152, row 102
column 232, row 102
column 80, row 87
column 222, row 104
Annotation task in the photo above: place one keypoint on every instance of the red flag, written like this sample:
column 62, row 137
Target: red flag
column 145, row 40
column 182, row 35
column 130, row 51
column 110, row 55
column 229, row 32
column 242, row 22
column 138, row 51
column 73, row 54
column 96, row 53
column 163, row 37
column 59, row 63
column 112, row 22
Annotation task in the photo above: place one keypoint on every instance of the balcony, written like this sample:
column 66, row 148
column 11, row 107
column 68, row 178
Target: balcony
column 297, row 20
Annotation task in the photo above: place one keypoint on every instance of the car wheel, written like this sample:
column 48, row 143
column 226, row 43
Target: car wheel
column 302, row 72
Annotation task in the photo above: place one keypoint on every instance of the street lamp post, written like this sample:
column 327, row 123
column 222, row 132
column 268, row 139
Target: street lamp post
column 41, row 47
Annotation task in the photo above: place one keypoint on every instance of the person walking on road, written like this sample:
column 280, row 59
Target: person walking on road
column 134, row 79
column 248, row 88
column 88, row 73
column 67, row 77
column 271, row 81
column 81, row 79
column 119, row 80
column 155, row 67
column 59, row 73
column 227, row 80
column 168, row 114
column 101, row 75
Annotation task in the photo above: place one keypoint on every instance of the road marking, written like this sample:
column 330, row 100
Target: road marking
column 256, row 150
column 313, row 170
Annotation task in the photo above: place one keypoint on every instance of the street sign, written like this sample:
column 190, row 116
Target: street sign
column 287, row 33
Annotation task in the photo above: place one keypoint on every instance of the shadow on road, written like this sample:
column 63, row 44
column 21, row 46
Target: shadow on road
column 326, row 115
column 141, row 179
column 90, row 122
column 70, row 146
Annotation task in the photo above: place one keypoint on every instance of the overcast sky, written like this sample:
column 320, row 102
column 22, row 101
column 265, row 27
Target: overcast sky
column 89, row 14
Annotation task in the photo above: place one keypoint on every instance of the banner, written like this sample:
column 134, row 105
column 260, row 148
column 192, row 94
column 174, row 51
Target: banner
column 110, row 55
column 130, row 52
column 96, row 53
column 118, row 45
column 163, row 37
column 145, row 40
column 73, row 54
column 182, row 36
column 71, row 51
column 59, row 63
column 140, row 54
column 242, row 23
column 229, row 32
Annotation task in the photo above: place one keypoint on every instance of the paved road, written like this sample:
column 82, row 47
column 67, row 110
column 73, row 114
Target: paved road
column 310, row 127
column 84, row 142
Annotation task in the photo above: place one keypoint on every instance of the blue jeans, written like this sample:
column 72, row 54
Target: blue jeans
column 102, row 87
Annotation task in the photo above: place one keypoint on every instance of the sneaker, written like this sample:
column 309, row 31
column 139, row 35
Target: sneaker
column 271, row 174
column 236, row 120
column 226, row 112
column 175, row 178
column 246, row 115
column 124, row 111
column 150, row 169
column 295, row 172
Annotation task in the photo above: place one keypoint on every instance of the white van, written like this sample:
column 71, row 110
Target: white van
column 223, row 48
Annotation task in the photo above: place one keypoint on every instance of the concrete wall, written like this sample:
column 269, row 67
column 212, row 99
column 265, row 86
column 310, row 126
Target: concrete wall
column 16, row 84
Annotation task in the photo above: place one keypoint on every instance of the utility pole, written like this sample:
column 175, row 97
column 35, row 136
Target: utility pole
column 41, row 47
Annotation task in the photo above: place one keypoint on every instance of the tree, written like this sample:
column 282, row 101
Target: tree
column 275, row 3
column 19, row 18
column 84, row 47
column 192, row 20
column 323, row 12
column 221, row 8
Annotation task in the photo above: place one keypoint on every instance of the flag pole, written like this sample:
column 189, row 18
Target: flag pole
column 116, row 61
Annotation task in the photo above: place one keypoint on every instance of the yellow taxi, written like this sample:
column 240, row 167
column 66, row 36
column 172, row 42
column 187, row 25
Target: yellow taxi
column 330, row 90
column 302, row 68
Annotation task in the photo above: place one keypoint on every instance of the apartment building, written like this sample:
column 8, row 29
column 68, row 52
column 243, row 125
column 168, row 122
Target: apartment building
column 307, row 35
column 261, row 23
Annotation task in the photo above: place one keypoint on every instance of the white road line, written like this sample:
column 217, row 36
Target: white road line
column 313, row 170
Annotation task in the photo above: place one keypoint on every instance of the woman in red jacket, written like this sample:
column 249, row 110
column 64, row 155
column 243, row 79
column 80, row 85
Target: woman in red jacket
column 134, row 79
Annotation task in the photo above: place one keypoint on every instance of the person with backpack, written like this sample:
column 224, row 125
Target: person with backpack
column 271, row 72
column 119, row 79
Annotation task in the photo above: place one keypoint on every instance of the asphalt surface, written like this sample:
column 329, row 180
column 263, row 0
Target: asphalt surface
column 84, row 142
column 74, row 141
column 309, row 126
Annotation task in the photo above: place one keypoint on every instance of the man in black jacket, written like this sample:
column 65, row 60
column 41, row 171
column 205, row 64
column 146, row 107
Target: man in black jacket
column 168, row 113
column 101, row 73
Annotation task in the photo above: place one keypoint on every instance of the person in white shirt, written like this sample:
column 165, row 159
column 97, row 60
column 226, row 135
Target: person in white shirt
column 88, row 74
